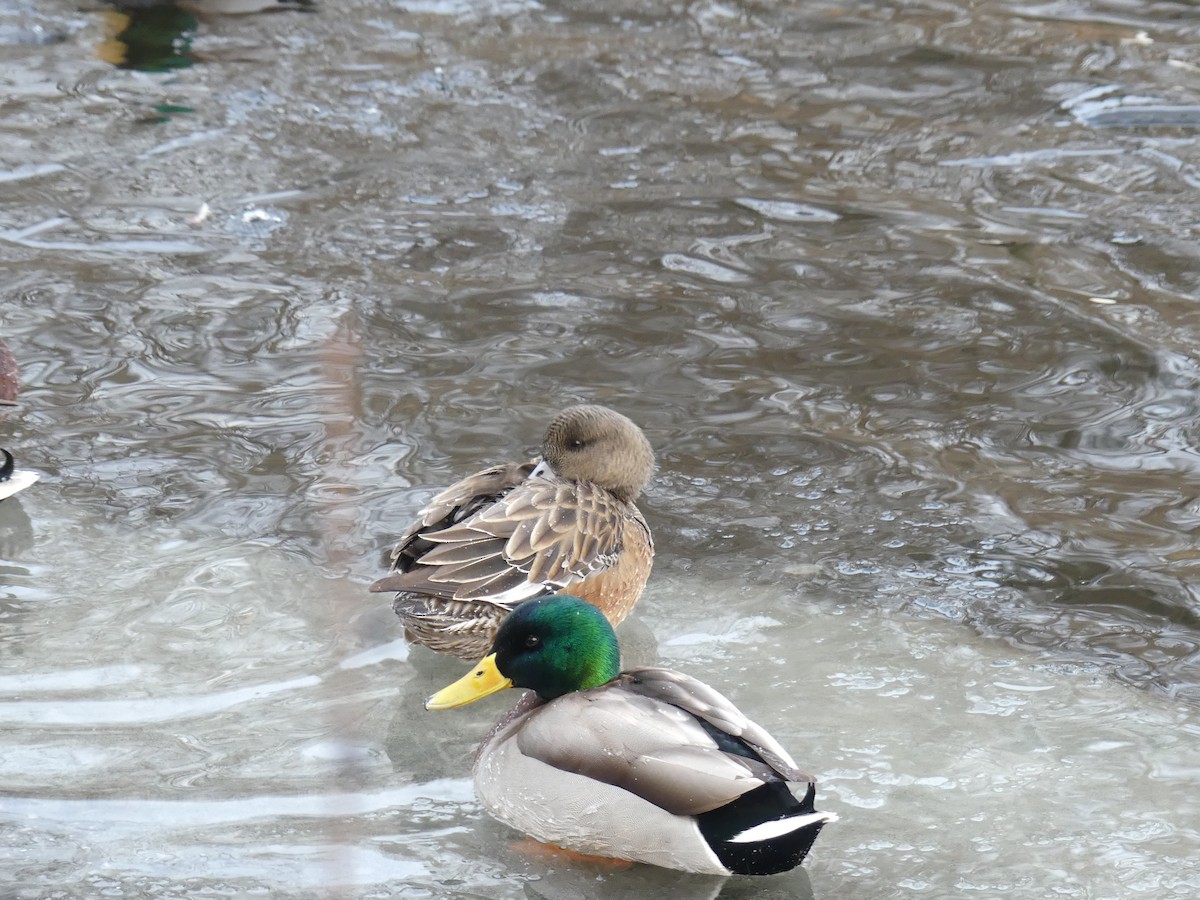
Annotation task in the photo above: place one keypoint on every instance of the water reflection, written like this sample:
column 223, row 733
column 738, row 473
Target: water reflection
column 155, row 38
column 156, row 35
column 16, row 531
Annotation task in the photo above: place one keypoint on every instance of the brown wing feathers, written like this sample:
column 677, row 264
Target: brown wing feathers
column 539, row 533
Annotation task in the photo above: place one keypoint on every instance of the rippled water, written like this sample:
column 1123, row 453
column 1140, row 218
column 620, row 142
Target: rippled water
column 903, row 294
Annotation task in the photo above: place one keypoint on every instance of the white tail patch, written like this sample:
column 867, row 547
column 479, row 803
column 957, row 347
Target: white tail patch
column 779, row 827
column 18, row 482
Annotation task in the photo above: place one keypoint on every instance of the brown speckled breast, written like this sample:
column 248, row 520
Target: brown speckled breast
column 616, row 590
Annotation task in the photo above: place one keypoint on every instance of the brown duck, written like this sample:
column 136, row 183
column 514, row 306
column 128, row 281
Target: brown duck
column 513, row 532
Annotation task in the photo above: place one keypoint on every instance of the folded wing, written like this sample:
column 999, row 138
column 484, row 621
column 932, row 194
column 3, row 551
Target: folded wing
column 663, row 736
column 501, row 537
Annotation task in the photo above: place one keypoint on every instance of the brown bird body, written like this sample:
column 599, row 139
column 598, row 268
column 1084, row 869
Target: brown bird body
column 564, row 520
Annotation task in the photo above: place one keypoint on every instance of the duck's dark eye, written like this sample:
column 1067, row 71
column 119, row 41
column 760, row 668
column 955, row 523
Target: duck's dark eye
column 532, row 641
column 576, row 444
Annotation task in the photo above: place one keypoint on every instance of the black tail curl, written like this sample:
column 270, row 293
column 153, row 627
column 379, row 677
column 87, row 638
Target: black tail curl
column 763, row 804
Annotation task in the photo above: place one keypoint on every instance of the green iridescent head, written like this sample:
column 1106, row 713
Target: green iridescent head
column 556, row 645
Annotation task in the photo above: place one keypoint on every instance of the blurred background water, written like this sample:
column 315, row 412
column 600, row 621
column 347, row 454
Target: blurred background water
column 904, row 294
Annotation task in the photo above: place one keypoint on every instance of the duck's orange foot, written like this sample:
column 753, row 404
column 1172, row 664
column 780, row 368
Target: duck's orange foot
column 549, row 854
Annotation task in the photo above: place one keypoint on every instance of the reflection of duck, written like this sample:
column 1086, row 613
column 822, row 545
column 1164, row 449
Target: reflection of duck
column 150, row 39
column 554, row 881
column 156, row 35
column 523, row 530
column 16, row 536
column 242, row 7
column 650, row 765
column 214, row 7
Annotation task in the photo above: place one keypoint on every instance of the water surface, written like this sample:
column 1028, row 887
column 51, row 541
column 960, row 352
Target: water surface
column 902, row 293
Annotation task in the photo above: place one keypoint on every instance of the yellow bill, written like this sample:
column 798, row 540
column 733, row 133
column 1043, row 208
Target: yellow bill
column 482, row 680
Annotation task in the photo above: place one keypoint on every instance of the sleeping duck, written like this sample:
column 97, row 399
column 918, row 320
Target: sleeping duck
column 648, row 765
column 566, row 519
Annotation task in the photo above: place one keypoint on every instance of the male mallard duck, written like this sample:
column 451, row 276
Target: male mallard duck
column 648, row 765
column 11, row 480
column 523, row 530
